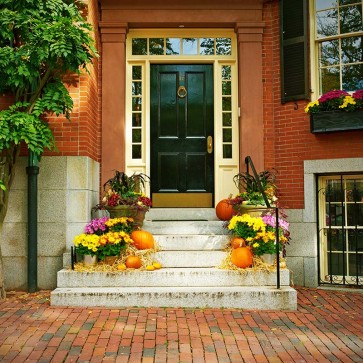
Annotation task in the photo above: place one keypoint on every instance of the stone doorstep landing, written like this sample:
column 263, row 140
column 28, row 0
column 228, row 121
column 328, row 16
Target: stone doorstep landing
column 245, row 297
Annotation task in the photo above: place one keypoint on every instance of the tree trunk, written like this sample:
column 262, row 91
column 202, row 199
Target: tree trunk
column 7, row 172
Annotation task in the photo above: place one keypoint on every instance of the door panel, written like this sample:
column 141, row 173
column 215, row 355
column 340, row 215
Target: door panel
column 181, row 120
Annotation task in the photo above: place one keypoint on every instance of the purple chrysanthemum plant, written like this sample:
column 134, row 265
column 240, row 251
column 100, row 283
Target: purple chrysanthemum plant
column 96, row 226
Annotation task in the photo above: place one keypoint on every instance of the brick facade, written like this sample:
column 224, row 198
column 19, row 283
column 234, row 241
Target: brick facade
column 288, row 141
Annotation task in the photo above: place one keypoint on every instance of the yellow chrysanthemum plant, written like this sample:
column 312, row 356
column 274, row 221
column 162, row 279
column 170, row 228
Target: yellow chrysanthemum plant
column 104, row 237
column 260, row 232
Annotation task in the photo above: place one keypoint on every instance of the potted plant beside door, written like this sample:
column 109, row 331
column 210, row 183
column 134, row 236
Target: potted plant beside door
column 123, row 196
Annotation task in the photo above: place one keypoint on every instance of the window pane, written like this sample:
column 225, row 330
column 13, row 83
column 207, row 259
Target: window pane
column 354, row 190
column 329, row 79
column 227, row 135
column 227, row 119
column 136, row 135
column 136, row 119
column 206, row 46
column 226, row 88
column 223, row 46
column 352, row 50
column 226, row 72
column 334, row 240
column 139, row 46
column 355, row 239
column 347, row 2
column 172, row 46
column 354, row 214
column 136, row 151
column 136, row 104
column 355, row 265
column 326, row 23
column 136, row 88
column 227, row 151
column 336, row 265
column 136, row 72
column 329, row 53
column 335, row 212
column 226, row 104
column 325, row 4
column 156, row 46
column 190, row 46
column 350, row 19
column 352, row 77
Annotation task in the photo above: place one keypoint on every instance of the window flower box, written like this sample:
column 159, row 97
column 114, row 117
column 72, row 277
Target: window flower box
column 336, row 110
column 331, row 121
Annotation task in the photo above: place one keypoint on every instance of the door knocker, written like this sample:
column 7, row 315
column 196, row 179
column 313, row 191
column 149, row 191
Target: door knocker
column 182, row 92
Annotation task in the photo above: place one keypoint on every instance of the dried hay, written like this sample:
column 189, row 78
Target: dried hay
column 258, row 264
column 146, row 256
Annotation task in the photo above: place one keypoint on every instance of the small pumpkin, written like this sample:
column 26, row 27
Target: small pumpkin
column 133, row 262
column 237, row 242
column 242, row 257
column 143, row 240
column 224, row 210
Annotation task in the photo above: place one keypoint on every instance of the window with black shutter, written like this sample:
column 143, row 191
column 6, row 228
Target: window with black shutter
column 294, row 50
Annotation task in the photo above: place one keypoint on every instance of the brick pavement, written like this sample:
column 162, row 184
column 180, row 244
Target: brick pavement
column 328, row 327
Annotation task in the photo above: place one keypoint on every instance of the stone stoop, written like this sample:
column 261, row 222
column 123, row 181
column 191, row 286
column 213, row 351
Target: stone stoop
column 192, row 243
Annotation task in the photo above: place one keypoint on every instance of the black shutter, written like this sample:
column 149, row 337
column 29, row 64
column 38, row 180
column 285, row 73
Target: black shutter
column 294, row 50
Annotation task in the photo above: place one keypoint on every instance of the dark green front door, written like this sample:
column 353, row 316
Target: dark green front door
column 181, row 129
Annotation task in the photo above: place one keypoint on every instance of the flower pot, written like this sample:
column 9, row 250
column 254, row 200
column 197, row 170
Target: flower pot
column 122, row 211
column 251, row 209
column 139, row 218
column 268, row 258
column 89, row 260
column 110, row 260
column 332, row 121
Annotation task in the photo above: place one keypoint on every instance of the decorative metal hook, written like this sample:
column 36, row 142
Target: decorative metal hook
column 182, row 92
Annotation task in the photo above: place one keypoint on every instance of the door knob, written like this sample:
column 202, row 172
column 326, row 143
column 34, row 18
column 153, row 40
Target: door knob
column 209, row 144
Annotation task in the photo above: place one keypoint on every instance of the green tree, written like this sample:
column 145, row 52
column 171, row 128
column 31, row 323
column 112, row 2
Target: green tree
column 41, row 42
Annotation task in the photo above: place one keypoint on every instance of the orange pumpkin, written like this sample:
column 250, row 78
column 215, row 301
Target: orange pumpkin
column 133, row 262
column 143, row 240
column 224, row 210
column 238, row 242
column 242, row 257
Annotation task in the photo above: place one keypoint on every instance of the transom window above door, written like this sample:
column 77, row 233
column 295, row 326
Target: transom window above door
column 181, row 46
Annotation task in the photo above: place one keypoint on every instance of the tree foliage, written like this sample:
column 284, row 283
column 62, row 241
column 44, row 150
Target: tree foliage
column 41, row 43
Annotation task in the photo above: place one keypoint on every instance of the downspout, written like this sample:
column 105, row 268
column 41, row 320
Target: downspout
column 32, row 170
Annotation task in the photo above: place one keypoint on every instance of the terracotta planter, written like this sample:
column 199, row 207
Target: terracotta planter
column 139, row 218
column 332, row 121
column 110, row 260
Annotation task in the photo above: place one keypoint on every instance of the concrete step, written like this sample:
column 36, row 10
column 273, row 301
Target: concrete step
column 185, row 227
column 170, row 277
column 194, row 259
column 246, row 297
column 179, row 214
column 192, row 242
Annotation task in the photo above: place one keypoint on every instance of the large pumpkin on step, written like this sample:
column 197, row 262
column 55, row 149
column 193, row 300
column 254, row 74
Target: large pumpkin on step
column 143, row 240
column 224, row 210
column 242, row 257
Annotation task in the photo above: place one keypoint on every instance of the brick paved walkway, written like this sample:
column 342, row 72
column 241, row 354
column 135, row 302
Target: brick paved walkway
column 328, row 327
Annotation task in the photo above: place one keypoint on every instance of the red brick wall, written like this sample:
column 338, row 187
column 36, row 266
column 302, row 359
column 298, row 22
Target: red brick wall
column 288, row 141
column 82, row 136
